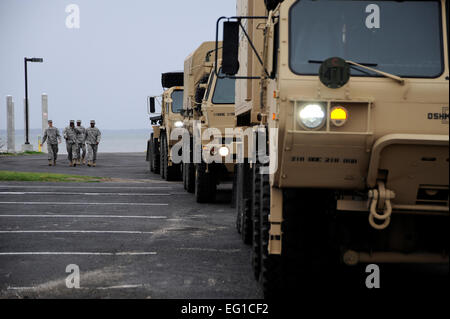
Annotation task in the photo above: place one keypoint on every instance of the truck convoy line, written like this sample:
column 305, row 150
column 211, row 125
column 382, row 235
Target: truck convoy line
column 334, row 130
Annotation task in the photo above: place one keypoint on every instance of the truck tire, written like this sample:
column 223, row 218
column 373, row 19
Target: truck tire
column 172, row 79
column 237, row 189
column 155, row 157
column 190, row 178
column 150, row 154
column 205, row 185
column 310, row 253
column 309, row 229
column 272, row 4
column 255, row 197
column 271, row 271
column 244, row 202
column 163, row 156
column 184, row 175
column 169, row 173
column 234, row 192
column 173, row 173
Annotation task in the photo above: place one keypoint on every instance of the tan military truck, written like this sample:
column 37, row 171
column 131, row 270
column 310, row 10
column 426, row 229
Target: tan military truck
column 208, row 107
column 350, row 112
column 159, row 149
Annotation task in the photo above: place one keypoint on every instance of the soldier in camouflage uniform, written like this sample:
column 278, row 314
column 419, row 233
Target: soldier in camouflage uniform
column 93, row 136
column 81, row 144
column 52, row 136
column 71, row 136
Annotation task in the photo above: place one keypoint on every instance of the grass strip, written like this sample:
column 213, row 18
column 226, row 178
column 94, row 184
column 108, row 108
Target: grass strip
column 46, row 177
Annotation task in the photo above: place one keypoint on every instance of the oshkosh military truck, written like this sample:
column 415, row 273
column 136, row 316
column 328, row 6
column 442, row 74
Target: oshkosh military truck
column 159, row 149
column 348, row 101
column 208, row 112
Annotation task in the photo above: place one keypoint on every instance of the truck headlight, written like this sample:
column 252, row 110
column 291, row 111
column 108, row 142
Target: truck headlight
column 312, row 116
column 224, row 151
column 178, row 124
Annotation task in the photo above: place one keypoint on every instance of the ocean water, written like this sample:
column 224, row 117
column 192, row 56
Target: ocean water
column 113, row 141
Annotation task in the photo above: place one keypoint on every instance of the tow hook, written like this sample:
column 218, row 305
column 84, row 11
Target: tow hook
column 380, row 207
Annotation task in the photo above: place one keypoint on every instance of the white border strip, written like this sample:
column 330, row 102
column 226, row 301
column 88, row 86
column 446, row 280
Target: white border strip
column 82, row 216
column 83, row 194
column 72, row 232
column 85, row 187
column 125, row 253
column 86, row 204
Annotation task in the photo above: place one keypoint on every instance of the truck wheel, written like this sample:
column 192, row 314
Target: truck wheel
column 255, row 197
column 205, row 186
column 173, row 173
column 190, row 178
column 309, row 229
column 272, row 4
column 183, row 165
column 310, row 252
column 150, row 154
column 155, row 157
column 237, row 189
column 234, row 191
column 244, row 202
column 270, row 273
column 163, row 156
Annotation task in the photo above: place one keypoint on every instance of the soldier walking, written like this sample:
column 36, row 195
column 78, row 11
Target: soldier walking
column 81, row 144
column 53, row 138
column 71, row 136
column 93, row 136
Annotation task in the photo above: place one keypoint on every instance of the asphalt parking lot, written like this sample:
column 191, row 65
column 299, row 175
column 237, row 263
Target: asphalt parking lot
column 137, row 237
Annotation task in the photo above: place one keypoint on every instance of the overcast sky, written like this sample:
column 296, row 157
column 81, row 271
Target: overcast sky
column 105, row 69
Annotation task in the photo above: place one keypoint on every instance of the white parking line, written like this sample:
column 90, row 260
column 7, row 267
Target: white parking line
column 72, row 232
column 75, row 203
column 82, row 216
column 119, row 287
column 85, row 288
column 86, row 187
column 126, row 253
column 83, row 194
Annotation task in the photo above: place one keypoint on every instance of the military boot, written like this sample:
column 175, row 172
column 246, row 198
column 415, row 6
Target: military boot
column 74, row 163
column 49, row 163
column 71, row 164
column 89, row 163
column 94, row 164
column 54, row 163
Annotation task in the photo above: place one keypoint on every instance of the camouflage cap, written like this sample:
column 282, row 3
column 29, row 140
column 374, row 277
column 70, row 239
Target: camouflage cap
column 72, row 122
column 92, row 121
column 78, row 121
column 50, row 121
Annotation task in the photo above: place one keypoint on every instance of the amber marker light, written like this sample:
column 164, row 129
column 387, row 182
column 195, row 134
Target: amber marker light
column 339, row 115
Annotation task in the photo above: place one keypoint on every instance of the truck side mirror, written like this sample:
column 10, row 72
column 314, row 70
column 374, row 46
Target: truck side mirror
column 151, row 104
column 230, row 49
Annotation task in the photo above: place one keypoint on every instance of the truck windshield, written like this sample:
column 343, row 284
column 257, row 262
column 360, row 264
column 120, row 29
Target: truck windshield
column 224, row 91
column 177, row 104
column 399, row 37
